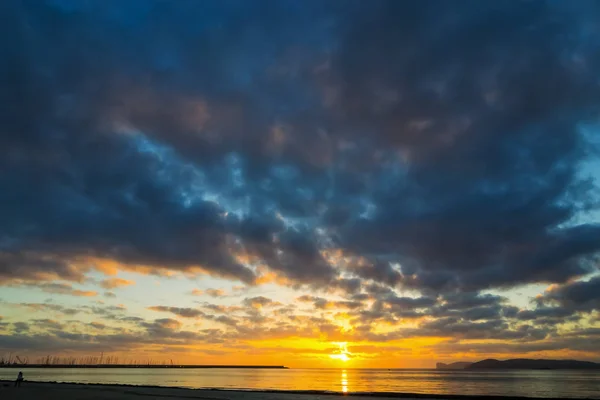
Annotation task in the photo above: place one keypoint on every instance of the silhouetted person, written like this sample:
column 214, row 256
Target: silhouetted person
column 19, row 379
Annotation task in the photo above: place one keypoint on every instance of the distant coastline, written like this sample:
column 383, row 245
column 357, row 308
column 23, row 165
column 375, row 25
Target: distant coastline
column 149, row 366
column 520, row 363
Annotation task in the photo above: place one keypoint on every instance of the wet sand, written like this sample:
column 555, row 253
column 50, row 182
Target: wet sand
column 68, row 391
column 75, row 391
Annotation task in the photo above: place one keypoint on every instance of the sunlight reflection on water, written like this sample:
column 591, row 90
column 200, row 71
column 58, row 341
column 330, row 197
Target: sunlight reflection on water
column 575, row 384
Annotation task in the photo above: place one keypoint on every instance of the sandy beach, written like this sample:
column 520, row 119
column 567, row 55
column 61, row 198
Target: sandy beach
column 68, row 391
column 72, row 391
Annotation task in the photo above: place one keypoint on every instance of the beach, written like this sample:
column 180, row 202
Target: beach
column 75, row 391
column 71, row 391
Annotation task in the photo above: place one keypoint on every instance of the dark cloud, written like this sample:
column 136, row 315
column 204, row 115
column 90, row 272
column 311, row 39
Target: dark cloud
column 225, row 320
column 31, row 266
column 259, row 302
column 555, row 314
column 498, row 348
column 42, row 342
column 163, row 327
column 20, row 327
column 410, row 302
column 321, row 303
column 578, row 295
column 461, row 328
column 296, row 255
column 471, row 306
column 179, row 311
column 480, row 320
column 355, row 147
column 351, row 286
column 378, row 271
column 462, row 301
column 61, row 288
column 489, row 170
column 45, row 307
column 466, row 315
column 104, row 311
column 46, row 323
column 215, row 292
column 158, row 332
column 221, row 309
column 98, row 325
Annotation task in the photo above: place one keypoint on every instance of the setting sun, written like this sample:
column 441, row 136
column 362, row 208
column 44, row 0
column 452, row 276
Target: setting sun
column 342, row 357
column 342, row 354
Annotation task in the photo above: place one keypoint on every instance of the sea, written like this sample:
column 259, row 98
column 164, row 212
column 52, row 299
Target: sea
column 542, row 383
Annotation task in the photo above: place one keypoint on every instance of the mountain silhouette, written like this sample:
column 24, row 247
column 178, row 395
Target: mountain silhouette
column 454, row 365
column 524, row 363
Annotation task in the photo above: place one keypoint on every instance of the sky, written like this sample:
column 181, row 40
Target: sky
column 302, row 183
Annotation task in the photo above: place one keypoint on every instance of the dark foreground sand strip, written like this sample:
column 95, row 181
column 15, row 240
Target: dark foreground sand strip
column 91, row 391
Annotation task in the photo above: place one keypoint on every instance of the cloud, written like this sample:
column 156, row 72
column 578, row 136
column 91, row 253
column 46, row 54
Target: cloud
column 59, row 288
column 324, row 304
column 97, row 325
column 576, row 295
column 215, row 292
column 259, row 302
column 379, row 272
column 45, row 307
column 403, row 156
column 113, row 283
column 31, row 266
column 62, row 288
column 20, row 327
column 179, row 311
column 47, row 324
column 114, row 312
column 221, row 309
column 402, row 170
column 162, row 324
column 544, row 314
column 246, row 324
column 473, row 175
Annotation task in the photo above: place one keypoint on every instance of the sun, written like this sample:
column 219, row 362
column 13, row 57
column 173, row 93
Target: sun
column 343, row 354
column 342, row 357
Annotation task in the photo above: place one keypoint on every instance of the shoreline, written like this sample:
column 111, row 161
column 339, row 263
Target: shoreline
column 142, row 366
column 74, row 390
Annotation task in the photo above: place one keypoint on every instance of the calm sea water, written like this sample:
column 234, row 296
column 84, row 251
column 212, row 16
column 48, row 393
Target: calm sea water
column 575, row 384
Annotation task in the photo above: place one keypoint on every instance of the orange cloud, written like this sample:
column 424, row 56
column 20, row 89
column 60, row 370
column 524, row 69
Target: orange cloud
column 209, row 292
column 113, row 283
column 267, row 277
column 111, row 267
column 83, row 293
